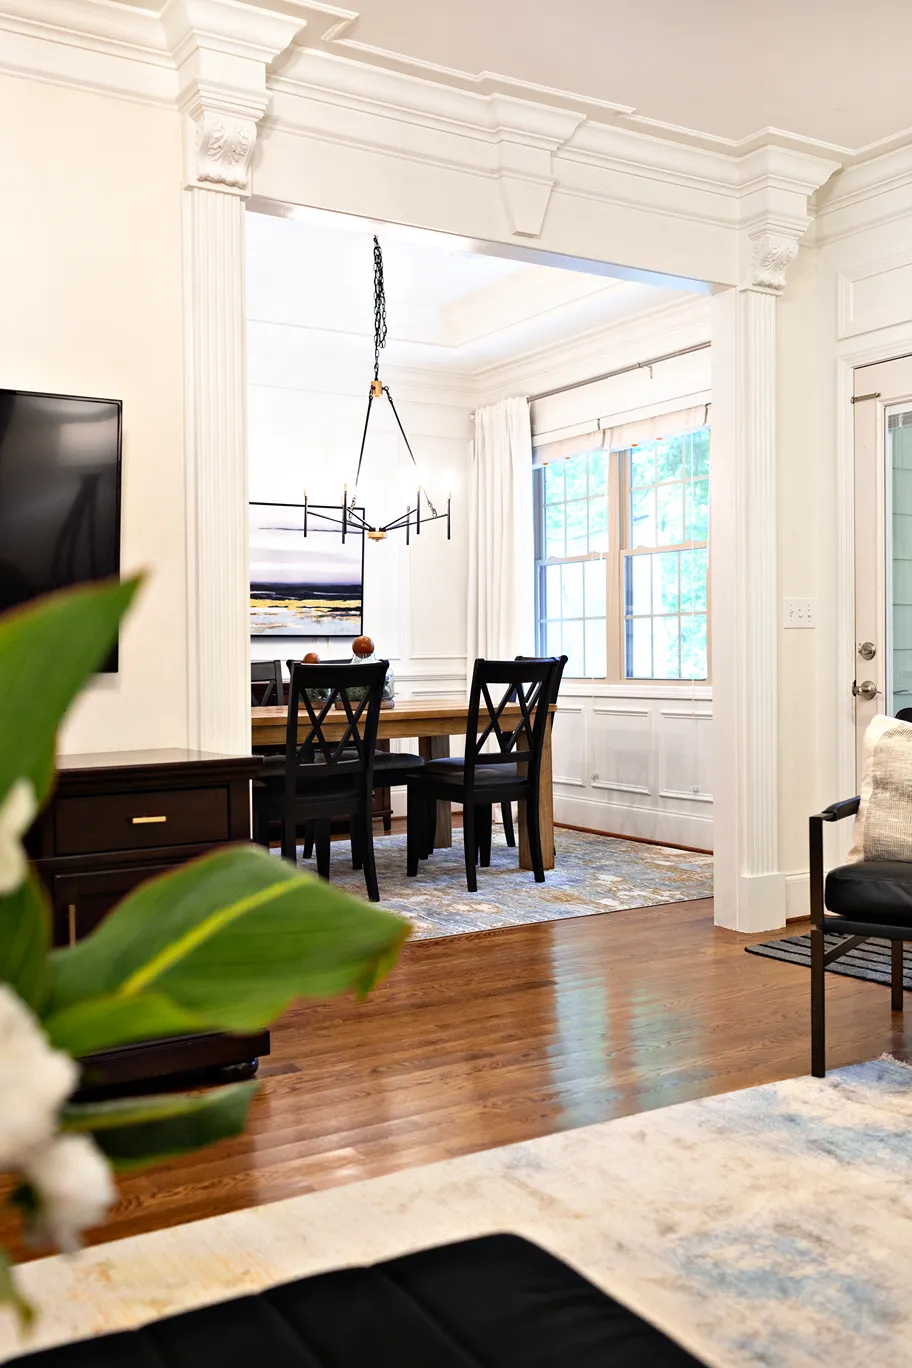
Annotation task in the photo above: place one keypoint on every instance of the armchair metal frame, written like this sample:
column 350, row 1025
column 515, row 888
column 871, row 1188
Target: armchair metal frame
column 825, row 923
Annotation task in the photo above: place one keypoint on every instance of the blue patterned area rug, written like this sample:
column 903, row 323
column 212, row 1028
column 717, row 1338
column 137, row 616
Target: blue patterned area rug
column 592, row 874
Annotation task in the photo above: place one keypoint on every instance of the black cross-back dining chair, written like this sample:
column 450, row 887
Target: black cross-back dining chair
column 327, row 779
column 480, row 778
column 506, row 809
column 267, row 687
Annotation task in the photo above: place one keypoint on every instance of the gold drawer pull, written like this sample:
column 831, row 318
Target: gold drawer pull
column 146, row 821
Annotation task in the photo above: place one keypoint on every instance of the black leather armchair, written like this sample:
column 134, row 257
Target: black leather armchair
column 872, row 898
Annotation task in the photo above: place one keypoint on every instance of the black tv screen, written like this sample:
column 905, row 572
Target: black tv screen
column 59, row 494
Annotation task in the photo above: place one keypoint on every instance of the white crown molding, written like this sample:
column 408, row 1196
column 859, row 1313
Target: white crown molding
column 619, row 343
column 529, row 140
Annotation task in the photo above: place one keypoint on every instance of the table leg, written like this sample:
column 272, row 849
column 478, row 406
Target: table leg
column 436, row 748
column 545, row 813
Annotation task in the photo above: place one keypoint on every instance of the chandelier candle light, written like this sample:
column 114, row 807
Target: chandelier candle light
column 352, row 519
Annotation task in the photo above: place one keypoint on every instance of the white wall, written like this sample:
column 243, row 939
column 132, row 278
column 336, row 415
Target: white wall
column 90, row 235
column 630, row 758
column 306, row 411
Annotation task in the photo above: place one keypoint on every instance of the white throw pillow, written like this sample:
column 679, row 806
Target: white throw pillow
column 883, row 826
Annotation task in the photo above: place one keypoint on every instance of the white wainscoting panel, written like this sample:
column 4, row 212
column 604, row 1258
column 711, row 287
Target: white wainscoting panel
column 635, row 763
column 875, row 295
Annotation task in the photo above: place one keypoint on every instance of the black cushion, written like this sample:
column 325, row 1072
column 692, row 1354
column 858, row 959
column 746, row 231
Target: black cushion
column 389, row 763
column 497, row 1302
column 872, row 891
column 451, row 769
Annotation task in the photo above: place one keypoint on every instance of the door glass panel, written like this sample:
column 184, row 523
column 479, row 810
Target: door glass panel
column 899, row 553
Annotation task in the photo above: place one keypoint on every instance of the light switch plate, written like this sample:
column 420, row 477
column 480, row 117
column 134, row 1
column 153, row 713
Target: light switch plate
column 799, row 613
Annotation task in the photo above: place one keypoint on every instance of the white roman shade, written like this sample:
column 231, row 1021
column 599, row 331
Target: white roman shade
column 558, row 446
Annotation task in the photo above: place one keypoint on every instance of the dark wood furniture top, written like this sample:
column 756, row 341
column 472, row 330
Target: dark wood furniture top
column 116, row 819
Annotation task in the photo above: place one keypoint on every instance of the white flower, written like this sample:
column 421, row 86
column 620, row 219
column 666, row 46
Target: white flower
column 35, row 1080
column 73, row 1184
column 17, row 812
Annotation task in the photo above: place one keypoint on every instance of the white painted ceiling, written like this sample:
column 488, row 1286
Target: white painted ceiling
column 446, row 306
column 836, row 71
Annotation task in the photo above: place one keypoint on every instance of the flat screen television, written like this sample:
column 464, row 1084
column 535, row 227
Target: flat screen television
column 59, row 494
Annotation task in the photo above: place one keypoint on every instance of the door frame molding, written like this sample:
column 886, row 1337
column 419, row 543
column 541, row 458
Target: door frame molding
column 844, row 610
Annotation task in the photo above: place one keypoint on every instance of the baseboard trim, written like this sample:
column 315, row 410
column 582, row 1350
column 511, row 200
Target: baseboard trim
column 640, row 840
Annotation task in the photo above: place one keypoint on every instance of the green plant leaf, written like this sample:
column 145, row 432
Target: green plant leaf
column 10, row 1294
column 24, row 937
column 136, row 1131
column 231, row 938
column 47, row 652
column 98, row 1023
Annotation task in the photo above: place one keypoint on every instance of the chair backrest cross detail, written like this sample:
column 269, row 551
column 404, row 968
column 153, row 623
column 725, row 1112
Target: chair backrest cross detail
column 321, row 694
column 526, row 684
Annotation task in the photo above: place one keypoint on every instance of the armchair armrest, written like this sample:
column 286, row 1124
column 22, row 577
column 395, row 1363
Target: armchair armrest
column 847, row 807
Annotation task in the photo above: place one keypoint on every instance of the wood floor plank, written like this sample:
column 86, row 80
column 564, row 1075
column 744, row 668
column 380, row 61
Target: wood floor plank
column 487, row 1039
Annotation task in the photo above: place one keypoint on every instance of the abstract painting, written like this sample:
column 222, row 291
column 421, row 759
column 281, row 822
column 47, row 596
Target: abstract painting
column 303, row 586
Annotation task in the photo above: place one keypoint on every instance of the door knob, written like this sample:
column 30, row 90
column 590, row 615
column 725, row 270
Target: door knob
column 867, row 650
column 866, row 690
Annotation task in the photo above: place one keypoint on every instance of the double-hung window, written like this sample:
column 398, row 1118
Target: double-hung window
column 622, row 545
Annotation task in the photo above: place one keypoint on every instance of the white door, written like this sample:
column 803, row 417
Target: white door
column 883, row 540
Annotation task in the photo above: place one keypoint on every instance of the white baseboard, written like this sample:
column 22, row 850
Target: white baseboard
column 797, row 896
column 647, row 823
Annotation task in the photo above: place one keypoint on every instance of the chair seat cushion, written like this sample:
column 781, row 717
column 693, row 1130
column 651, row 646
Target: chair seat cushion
column 871, row 891
column 497, row 1301
column 393, row 762
column 452, row 769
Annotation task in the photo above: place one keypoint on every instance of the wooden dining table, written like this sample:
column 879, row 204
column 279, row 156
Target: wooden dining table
column 433, row 722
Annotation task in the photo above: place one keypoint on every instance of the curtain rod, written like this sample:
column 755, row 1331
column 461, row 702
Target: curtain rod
column 622, row 370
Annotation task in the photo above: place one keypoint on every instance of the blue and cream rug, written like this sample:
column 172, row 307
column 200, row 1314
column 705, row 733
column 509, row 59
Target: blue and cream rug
column 591, row 874
column 770, row 1228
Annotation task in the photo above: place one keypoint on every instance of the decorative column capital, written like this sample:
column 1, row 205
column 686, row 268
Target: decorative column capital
column 771, row 254
column 222, row 50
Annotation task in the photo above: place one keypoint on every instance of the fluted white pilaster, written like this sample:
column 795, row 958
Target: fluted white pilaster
column 218, row 619
column 750, row 888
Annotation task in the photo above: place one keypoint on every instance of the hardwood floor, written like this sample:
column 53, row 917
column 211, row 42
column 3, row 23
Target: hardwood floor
column 482, row 1040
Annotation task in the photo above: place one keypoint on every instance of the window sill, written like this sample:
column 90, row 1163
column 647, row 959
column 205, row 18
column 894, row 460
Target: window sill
column 631, row 688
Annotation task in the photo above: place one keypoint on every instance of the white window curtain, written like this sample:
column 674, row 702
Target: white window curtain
column 501, row 597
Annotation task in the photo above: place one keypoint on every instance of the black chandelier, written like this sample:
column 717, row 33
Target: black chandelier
column 347, row 515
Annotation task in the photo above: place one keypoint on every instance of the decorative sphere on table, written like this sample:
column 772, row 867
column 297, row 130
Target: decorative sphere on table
column 363, row 647
column 311, row 658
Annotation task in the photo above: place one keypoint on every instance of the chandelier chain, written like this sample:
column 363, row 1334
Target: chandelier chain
column 379, row 308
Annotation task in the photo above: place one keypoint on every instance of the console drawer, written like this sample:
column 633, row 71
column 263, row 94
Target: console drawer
column 141, row 820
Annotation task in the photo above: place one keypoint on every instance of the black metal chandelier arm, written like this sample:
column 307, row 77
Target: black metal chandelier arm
column 370, row 400
column 408, row 445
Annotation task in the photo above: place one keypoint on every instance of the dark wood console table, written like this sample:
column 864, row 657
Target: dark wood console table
column 116, row 819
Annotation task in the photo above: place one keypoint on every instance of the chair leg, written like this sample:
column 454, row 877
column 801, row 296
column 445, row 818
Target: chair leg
column 366, row 834
column 507, row 814
column 468, row 840
column 354, row 832
column 289, row 838
column 818, row 1003
column 429, row 828
column 260, row 823
column 308, row 841
column 322, row 843
column 484, row 820
column 534, row 829
column 896, row 975
column 415, row 828
column 387, row 821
